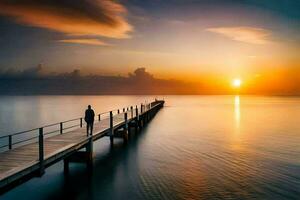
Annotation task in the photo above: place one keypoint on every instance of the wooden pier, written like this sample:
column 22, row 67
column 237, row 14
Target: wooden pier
column 27, row 154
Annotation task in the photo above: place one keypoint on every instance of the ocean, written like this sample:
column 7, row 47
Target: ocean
column 196, row 147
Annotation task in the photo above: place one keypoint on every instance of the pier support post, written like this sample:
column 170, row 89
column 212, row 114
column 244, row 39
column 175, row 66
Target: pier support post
column 10, row 142
column 147, row 116
column 141, row 117
column 125, row 133
column 150, row 112
column 89, row 152
column 41, row 152
column 61, row 128
column 136, row 119
column 66, row 166
column 136, row 112
column 111, row 131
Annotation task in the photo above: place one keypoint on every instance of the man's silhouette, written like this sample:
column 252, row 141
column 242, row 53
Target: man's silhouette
column 89, row 119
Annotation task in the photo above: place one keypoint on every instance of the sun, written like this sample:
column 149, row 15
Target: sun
column 237, row 83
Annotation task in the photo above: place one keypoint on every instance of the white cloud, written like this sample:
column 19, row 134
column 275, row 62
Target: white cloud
column 245, row 34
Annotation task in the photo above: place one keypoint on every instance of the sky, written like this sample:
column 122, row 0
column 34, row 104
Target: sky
column 257, row 41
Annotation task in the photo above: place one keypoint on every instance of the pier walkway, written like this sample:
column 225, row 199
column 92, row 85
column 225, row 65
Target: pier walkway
column 26, row 154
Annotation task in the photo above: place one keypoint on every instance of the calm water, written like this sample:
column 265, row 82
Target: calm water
column 197, row 147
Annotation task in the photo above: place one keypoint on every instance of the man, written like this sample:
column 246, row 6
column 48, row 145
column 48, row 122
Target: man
column 89, row 119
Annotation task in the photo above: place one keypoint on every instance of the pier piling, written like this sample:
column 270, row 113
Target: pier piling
column 111, row 125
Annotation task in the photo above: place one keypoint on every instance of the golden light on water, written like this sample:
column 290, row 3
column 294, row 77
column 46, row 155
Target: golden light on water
column 237, row 112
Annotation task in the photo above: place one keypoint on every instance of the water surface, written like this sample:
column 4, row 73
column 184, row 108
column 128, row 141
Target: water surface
column 197, row 147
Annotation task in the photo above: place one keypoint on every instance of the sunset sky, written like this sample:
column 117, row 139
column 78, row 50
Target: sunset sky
column 180, row 39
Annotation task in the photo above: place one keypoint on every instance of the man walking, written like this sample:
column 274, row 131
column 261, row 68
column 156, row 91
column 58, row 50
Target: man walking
column 89, row 119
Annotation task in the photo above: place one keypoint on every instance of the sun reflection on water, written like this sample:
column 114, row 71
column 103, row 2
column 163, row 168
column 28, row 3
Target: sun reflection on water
column 237, row 112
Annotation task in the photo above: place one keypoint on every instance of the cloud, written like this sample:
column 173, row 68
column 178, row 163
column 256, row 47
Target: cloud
column 37, row 71
column 141, row 74
column 245, row 34
column 80, row 17
column 95, row 42
column 37, row 81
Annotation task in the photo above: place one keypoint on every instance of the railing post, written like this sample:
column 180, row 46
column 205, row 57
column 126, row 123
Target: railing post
column 149, row 113
column 141, row 122
column 10, row 142
column 99, row 117
column 41, row 151
column 131, row 109
column 111, row 134
column 126, row 120
column 61, row 127
column 81, row 122
column 136, row 119
column 125, row 134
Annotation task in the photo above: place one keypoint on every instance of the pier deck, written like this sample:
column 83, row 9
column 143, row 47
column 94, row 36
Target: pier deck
column 29, row 160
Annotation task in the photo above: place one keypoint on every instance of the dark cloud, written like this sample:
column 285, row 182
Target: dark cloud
column 80, row 17
column 37, row 71
column 141, row 74
column 37, row 81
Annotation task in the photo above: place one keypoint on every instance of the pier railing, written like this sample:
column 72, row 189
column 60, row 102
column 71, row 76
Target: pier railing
column 11, row 141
